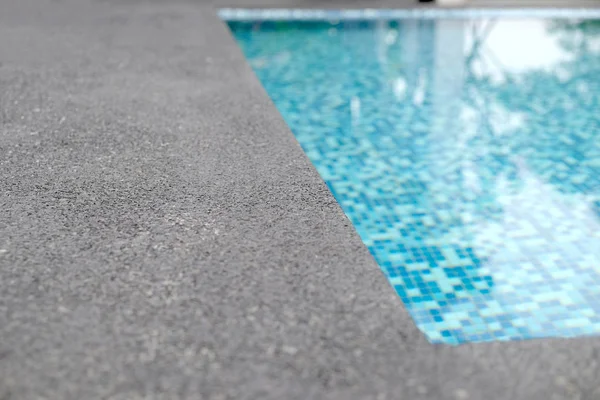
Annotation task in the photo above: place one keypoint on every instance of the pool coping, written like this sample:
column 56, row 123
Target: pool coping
column 181, row 245
column 374, row 14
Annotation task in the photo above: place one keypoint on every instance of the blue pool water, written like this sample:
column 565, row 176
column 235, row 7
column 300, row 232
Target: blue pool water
column 466, row 152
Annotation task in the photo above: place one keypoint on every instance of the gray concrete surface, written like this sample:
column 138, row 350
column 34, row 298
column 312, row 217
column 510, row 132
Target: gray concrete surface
column 163, row 236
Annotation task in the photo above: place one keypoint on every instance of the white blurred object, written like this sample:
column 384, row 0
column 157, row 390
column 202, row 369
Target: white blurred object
column 451, row 2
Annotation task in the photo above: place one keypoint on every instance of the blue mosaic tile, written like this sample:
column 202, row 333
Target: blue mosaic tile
column 465, row 150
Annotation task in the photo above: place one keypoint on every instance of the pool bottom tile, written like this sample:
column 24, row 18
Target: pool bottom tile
column 477, row 190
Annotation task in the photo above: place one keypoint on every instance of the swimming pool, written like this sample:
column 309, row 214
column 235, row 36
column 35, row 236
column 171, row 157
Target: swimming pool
column 465, row 151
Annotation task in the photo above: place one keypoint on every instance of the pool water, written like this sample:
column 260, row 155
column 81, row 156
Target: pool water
column 466, row 152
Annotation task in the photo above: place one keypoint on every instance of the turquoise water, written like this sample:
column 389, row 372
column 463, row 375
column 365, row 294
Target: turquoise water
column 465, row 152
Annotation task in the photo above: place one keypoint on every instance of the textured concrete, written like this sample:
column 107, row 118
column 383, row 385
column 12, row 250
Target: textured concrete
column 163, row 236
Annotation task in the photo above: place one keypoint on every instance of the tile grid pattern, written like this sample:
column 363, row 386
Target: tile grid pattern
column 487, row 229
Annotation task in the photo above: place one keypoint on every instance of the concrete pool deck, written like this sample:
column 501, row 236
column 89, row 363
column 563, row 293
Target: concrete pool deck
column 163, row 236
